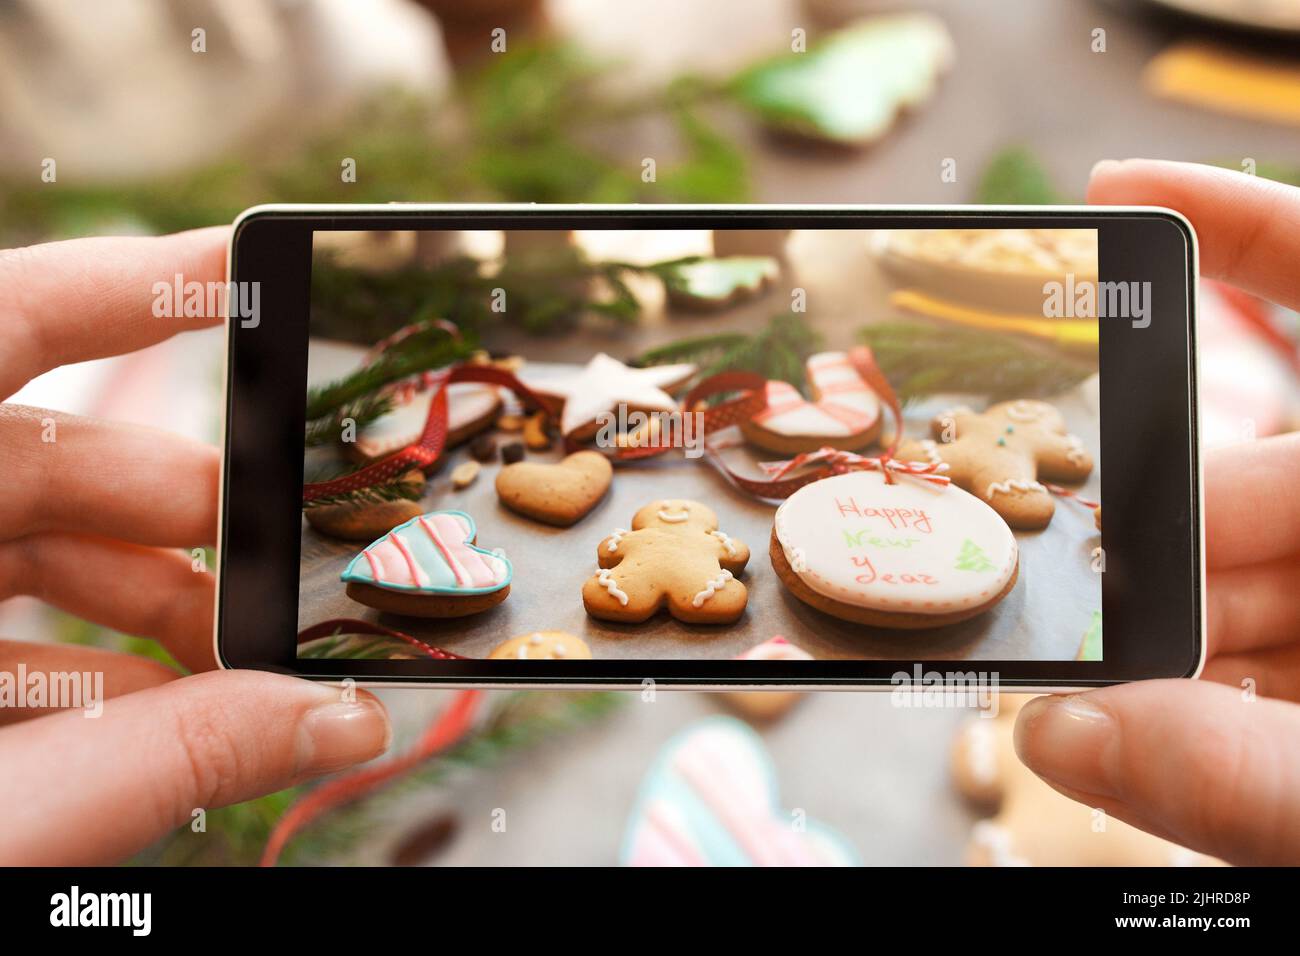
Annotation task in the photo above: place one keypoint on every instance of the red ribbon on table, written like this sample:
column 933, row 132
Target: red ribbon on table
column 446, row 730
column 428, row 448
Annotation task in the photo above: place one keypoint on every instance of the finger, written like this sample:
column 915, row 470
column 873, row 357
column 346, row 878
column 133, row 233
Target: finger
column 1272, row 673
column 80, row 792
column 1248, row 228
column 144, row 592
column 67, row 473
column 62, row 676
column 1251, row 608
column 1189, row 760
column 66, row 302
column 1249, row 518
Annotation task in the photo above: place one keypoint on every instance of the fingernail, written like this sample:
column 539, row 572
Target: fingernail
column 1103, row 166
column 338, row 734
column 1069, row 741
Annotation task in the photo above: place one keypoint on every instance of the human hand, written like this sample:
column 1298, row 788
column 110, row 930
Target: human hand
column 94, row 522
column 1205, row 763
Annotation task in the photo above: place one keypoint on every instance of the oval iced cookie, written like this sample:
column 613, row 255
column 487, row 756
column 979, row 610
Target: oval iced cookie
column 907, row 555
column 845, row 412
column 471, row 407
column 429, row 567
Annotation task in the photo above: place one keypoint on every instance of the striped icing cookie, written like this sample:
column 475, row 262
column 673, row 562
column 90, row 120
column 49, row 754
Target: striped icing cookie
column 430, row 567
column 845, row 412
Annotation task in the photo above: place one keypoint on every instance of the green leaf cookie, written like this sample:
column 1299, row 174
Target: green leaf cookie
column 849, row 87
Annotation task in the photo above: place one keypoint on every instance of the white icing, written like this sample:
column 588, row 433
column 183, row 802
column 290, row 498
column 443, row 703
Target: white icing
column 675, row 517
column 616, row 538
column 931, row 449
column 1012, row 484
column 895, row 547
column 981, row 752
column 1022, row 411
column 606, row 578
column 711, row 588
column 726, row 541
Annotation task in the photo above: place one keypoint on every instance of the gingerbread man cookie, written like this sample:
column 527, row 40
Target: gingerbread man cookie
column 1033, row 825
column 674, row 557
column 1000, row 456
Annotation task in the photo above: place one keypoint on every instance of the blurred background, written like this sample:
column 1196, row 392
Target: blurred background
column 136, row 116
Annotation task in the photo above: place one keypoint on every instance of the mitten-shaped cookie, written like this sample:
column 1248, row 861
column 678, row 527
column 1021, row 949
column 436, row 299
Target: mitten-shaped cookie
column 1000, row 455
column 674, row 557
column 1033, row 825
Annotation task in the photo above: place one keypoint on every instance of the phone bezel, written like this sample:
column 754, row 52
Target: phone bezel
column 265, row 381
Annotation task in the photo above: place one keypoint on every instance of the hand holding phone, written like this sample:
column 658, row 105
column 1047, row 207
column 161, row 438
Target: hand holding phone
column 1188, row 758
column 99, row 520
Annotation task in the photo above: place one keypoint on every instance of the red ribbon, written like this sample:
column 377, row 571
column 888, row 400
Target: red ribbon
column 832, row 461
column 345, row 625
column 428, row 448
column 1072, row 495
column 447, row 729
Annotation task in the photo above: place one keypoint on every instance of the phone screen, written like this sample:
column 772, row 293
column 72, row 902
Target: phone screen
column 705, row 444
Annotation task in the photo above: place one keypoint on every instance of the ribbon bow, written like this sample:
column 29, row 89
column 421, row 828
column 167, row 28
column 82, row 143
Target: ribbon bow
column 839, row 462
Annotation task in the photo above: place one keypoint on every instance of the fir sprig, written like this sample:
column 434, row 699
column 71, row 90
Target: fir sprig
column 395, row 490
column 329, row 428
column 429, row 347
column 921, row 359
column 777, row 352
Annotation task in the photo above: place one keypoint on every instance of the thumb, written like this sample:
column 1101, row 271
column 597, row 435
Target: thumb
column 1194, row 762
column 89, row 791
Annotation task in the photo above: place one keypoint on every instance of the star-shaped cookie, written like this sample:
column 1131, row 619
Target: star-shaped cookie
column 605, row 383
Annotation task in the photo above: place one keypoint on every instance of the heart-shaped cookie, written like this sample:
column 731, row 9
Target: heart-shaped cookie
column 711, row 799
column 557, row 494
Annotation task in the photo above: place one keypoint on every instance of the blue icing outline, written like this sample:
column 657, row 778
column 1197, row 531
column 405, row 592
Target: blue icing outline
column 349, row 577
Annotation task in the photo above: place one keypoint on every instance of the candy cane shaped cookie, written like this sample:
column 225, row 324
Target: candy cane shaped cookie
column 844, row 413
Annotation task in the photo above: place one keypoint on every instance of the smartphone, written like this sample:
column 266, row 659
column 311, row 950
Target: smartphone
column 712, row 447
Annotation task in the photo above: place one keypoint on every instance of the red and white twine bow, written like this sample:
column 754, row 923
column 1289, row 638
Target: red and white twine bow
column 839, row 462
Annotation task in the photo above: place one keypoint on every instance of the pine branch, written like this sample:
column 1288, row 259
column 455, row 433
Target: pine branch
column 329, row 428
column 777, row 352
column 429, row 348
column 921, row 359
column 1016, row 177
column 396, row 490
